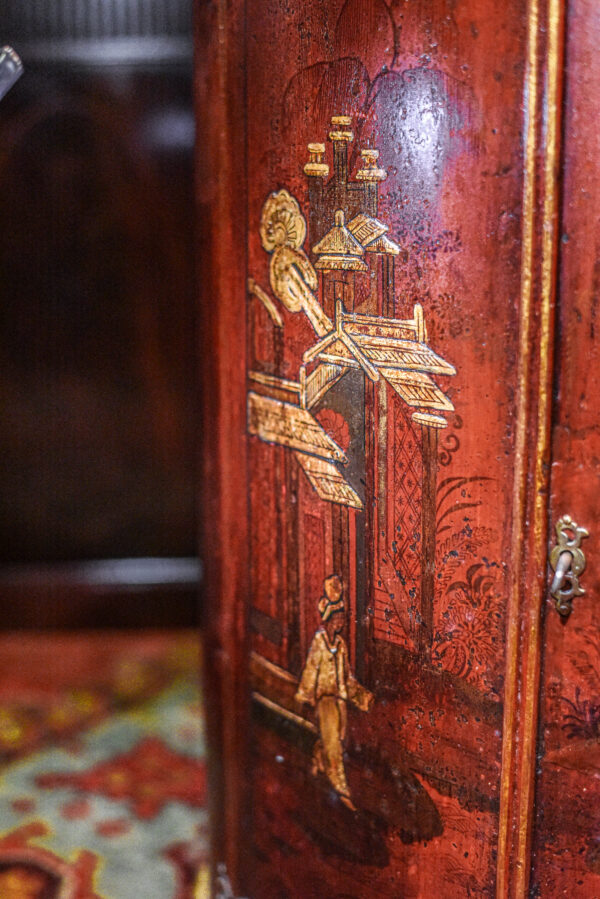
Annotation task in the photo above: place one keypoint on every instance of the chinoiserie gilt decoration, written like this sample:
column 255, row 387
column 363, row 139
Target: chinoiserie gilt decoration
column 365, row 404
column 382, row 347
column 327, row 684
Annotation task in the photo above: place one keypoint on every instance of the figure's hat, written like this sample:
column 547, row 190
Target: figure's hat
column 327, row 605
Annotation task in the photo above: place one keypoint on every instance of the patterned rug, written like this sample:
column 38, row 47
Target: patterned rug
column 102, row 791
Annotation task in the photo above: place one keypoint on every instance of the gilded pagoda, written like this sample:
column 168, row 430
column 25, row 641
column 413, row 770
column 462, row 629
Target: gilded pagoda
column 353, row 437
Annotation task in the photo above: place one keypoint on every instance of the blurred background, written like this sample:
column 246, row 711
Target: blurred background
column 98, row 379
column 99, row 645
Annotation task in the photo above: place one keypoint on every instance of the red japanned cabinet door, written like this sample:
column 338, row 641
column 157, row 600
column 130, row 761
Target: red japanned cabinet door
column 566, row 837
column 379, row 229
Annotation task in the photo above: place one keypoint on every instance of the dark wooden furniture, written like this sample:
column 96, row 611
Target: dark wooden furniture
column 98, row 370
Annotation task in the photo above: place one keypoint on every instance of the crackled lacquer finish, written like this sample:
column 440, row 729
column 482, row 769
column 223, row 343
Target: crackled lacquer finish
column 381, row 326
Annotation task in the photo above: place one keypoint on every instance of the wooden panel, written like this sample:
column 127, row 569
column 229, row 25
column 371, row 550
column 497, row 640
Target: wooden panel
column 97, row 348
column 396, row 645
column 439, row 95
column 566, row 848
column 223, row 526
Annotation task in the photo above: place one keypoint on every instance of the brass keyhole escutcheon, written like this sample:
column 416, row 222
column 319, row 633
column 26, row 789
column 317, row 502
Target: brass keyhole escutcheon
column 567, row 560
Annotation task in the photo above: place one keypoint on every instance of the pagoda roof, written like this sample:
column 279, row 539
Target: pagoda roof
column 328, row 482
column 372, row 234
column 339, row 249
column 365, row 228
column 276, row 421
column 389, row 348
column 384, row 245
column 291, row 426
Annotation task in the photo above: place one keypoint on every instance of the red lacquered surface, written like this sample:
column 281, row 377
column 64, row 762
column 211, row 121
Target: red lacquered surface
column 566, row 848
column 379, row 334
